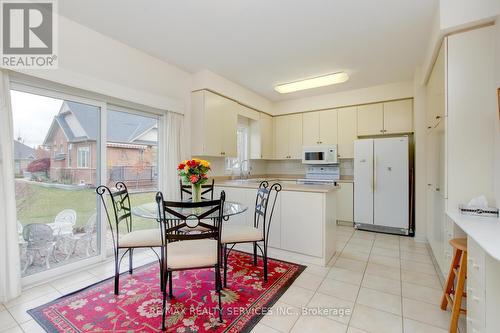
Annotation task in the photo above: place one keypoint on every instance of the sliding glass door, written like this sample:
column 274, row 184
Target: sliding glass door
column 132, row 158
column 57, row 167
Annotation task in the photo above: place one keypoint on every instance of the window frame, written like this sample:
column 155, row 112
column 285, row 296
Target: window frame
column 28, row 84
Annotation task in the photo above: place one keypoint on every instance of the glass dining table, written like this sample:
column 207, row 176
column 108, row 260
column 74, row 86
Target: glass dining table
column 150, row 211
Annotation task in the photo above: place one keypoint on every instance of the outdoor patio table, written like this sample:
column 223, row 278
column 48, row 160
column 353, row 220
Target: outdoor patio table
column 150, row 210
column 61, row 229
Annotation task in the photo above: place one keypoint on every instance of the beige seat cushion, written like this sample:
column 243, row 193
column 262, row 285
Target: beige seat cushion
column 240, row 233
column 141, row 238
column 192, row 253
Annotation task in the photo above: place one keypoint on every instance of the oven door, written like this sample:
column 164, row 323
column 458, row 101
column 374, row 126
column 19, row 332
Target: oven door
column 314, row 157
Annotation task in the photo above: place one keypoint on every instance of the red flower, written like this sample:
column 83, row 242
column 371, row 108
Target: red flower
column 194, row 179
column 192, row 163
column 181, row 166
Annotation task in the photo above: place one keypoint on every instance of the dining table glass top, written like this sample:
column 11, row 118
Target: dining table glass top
column 150, row 211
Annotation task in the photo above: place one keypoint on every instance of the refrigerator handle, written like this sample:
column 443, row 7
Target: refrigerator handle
column 374, row 187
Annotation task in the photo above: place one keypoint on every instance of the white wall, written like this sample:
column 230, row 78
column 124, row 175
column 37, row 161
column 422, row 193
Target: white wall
column 461, row 13
column 345, row 98
column 209, row 80
column 94, row 62
column 497, row 129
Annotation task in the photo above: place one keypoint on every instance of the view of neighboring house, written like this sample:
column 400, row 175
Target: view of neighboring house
column 72, row 142
column 23, row 155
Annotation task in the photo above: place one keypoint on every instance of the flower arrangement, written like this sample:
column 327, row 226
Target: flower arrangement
column 194, row 172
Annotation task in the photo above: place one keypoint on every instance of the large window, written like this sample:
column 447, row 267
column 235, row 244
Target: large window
column 241, row 163
column 60, row 147
column 55, row 197
column 132, row 156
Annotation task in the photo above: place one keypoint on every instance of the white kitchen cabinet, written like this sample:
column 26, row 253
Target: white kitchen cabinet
column 266, row 136
column 310, row 128
column 320, row 127
column 398, row 116
column 214, row 124
column 346, row 131
column 345, row 202
column 435, row 91
column 370, row 119
column 385, row 118
column 302, row 227
column 288, row 136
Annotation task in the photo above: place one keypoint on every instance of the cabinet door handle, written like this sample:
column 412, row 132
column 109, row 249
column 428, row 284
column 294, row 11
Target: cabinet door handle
column 438, row 189
column 429, row 127
column 438, row 117
column 381, row 131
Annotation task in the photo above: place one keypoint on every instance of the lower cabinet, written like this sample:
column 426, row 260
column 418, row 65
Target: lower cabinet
column 304, row 223
column 345, row 202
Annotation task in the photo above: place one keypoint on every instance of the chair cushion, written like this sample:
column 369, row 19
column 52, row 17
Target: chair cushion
column 240, row 233
column 141, row 238
column 192, row 253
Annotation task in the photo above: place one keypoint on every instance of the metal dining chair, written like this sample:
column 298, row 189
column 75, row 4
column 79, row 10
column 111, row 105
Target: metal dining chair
column 258, row 234
column 119, row 214
column 186, row 251
column 207, row 191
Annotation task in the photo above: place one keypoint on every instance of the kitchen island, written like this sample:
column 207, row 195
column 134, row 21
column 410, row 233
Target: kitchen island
column 303, row 227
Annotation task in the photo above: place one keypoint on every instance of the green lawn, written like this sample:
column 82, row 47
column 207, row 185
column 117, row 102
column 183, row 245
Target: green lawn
column 39, row 204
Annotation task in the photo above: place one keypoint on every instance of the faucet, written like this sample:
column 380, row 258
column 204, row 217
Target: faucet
column 244, row 175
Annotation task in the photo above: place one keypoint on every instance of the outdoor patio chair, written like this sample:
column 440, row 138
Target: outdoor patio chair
column 84, row 237
column 66, row 216
column 39, row 241
column 64, row 222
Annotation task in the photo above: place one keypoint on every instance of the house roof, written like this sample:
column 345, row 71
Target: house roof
column 122, row 127
column 23, row 152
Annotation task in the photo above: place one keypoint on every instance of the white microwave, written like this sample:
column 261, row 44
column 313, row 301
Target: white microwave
column 319, row 154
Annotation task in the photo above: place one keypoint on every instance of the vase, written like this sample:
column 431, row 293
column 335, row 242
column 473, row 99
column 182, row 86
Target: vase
column 196, row 192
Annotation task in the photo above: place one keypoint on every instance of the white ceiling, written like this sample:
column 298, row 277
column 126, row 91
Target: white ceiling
column 261, row 43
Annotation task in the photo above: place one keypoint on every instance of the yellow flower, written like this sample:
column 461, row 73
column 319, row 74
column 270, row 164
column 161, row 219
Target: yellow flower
column 206, row 164
column 186, row 169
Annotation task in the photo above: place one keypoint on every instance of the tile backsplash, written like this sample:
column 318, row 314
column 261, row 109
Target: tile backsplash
column 276, row 167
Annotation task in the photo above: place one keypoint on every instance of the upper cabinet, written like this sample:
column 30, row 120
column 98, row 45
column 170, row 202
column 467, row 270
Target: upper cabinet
column 398, row 117
column 346, row 131
column 436, row 91
column 385, row 118
column 320, row 127
column 371, row 119
column 214, row 124
column 266, row 136
column 288, row 136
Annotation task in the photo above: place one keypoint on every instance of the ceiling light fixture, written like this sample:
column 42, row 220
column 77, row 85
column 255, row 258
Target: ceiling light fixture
column 315, row 82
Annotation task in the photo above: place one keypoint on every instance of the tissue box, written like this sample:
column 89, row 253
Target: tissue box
column 478, row 211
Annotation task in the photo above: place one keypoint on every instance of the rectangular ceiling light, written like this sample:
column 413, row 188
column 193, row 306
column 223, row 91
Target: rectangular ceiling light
column 315, row 82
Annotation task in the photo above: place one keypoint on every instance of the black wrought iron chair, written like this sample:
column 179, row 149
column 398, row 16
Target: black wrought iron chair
column 117, row 216
column 185, row 251
column 207, row 191
column 258, row 234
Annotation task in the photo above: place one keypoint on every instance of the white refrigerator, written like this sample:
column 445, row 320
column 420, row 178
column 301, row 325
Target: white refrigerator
column 382, row 184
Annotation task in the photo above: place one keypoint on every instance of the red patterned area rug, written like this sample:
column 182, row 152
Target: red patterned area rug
column 192, row 309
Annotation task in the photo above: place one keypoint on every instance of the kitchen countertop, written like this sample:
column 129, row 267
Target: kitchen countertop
column 483, row 230
column 287, row 184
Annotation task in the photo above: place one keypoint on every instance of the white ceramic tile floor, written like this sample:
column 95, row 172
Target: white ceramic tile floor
column 375, row 283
